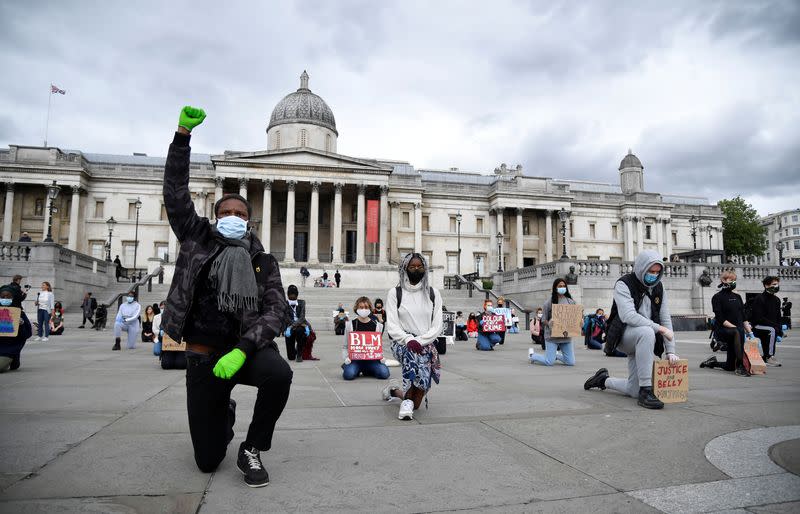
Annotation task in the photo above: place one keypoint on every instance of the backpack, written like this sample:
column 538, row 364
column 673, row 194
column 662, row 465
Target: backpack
column 616, row 328
column 399, row 293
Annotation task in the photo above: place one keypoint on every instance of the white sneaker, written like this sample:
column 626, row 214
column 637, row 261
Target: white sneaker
column 530, row 352
column 44, row 339
column 37, row 338
column 406, row 410
column 772, row 361
column 386, row 393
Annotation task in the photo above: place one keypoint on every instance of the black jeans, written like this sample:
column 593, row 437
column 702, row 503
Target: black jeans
column 734, row 339
column 295, row 343
column 208, row 397
column 85, row 317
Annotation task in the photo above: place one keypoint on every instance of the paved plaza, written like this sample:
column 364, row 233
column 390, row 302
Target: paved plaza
column 85, row 429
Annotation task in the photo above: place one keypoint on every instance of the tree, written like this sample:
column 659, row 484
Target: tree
column 741, row 228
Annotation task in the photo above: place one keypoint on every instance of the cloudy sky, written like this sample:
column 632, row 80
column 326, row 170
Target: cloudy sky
column 706, row 93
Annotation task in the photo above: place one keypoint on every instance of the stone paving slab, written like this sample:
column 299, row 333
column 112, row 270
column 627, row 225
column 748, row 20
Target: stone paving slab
column 175, row 504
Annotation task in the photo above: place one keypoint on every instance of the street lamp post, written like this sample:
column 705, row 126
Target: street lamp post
column 138, row 205
column 110, row 222
column 500, row 252
column 780, row 246
column 709, row 229
column 458, row 222
column 52, row 193
column 693, row 221
column 563, row 215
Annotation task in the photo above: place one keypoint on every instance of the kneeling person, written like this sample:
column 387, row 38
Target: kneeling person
column 730, row 325
column 363, row 323
column 227, row 302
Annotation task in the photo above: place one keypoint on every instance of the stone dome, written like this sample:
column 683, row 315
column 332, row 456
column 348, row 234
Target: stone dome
column 630, row 161
column 303, row 106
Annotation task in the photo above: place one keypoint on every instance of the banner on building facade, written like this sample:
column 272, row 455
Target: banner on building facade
column 373, row 220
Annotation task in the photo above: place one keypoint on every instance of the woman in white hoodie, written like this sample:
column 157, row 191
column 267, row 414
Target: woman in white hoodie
column 413, row 322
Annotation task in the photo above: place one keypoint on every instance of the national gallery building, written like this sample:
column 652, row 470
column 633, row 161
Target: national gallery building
column 313, row 205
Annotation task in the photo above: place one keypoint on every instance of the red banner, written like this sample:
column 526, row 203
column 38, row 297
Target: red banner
column 373, row 215
column 365, row 346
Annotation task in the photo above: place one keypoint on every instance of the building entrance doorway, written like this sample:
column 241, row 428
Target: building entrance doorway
column 301, row 246
column 350, row 246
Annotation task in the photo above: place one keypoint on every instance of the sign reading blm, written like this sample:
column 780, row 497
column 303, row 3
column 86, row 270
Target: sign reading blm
column 671, row 381
column 365, row 346
column 9, row 321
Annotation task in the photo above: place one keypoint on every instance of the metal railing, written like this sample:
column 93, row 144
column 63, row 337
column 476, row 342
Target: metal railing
column 117, row 298
column 472, row 284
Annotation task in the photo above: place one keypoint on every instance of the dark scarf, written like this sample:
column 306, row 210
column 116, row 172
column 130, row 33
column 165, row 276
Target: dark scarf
column 231, row 274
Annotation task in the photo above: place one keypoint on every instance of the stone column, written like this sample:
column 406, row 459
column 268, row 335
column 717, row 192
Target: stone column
column 548, row 236
column 201, row 203
column 8, row 212
column 243, row 187
column 383, row 217
column 289, row 255
column 360, row 233
column 668, row 235
column 313, row 225
column 639, row 234
column 218, row 182
column 74, row 210
column 266, row 215
column 395, row 220
column 337, row 223
column 568, row 240
column 519, row 237
column 418, row 227
column 659, row 226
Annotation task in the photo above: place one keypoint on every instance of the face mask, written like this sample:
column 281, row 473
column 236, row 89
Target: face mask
column 774, row 290
column 561, row 290
column 293, row 303
column 538, row 314
column 600, row 316
column 415, row 276
column 650, row 278
column 363, row 313
column 129, row 299
column 489, row 308
column 728, row 285
column 232, row 227
column 5, row 302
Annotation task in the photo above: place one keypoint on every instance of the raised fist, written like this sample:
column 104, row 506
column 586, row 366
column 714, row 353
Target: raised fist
column 191, row 117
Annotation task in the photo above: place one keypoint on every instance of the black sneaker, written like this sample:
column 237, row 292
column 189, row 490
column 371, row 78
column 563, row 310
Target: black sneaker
column 231, row 418
column 648, row 400
column 249, row 463
column 14, row 363
column 597, row 380
column 116, row 344
column 709, row 363
column 299, row 358
column 740, row 371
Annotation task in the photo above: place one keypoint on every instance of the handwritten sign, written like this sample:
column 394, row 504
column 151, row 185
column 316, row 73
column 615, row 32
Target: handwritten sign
column 506, row 313
column 169, row 345
column 671, row 381
column 448, row 324
column 567, row 320
column 9, row 321
column 494, row 323
column 757, row 366
column 365, row 346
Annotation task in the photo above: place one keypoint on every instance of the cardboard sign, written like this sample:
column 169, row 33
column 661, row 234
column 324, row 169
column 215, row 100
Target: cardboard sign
column 506, row 313
column 365, row 346
column 671, row 381
column 169, row 345
column 494, row 323
column 757, row 365
column 567, row 320
column 9, row 321
column 448, row 324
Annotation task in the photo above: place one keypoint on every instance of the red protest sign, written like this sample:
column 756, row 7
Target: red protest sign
column 373, row 214
column 494, row 323
column 365, row 346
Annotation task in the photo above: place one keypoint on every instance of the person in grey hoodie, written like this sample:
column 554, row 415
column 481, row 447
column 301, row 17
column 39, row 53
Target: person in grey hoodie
column 646, row 330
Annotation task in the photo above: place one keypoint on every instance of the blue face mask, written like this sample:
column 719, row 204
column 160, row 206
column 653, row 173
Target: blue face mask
column 489, row 308
column 129, row 299
column 232, row 227
column 561, row 290
column 650, row 278
column 6, row 302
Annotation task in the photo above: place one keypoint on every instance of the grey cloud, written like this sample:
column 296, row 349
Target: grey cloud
column 760, row 22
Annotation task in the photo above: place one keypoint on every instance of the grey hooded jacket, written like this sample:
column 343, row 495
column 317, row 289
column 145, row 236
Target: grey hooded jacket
column 625, row 306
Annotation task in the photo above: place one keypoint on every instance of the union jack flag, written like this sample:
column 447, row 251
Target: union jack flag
column 54, row 89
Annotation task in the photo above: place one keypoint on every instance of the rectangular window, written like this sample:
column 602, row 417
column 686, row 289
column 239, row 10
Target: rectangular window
column 479, row 225
column 592, row 231
column 571, row 229
column 480, row 261
column 406, row 219
column 794, row 217
column 614, row 231
column 526, row 227
column 426, row 223
column 99, row 207
column 97, row 249
column 796, row 231
column 131, row 210
column 674, row 239
column 453, row 225
column 797, row 244
column 39, row 207
column 429, row 257
column 127, row 254
column 648, row 231
column 163, row 215
column 162, row 251
column 452, row 263
column 593, row 258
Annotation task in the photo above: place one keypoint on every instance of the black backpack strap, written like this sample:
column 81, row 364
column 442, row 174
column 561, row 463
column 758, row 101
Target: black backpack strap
column 398, row 291
column 432, row 295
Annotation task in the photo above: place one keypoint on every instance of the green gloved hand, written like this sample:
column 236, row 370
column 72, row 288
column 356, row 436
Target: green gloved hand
column 229, row 364
column 191, row 117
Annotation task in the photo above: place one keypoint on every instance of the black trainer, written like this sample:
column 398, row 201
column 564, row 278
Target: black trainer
column 741, row 371
column 709, row 363
column 249, row 463
column 231, row 418
column 14, row 363
column 597, row 380
column 299, row 358
column 648, row 400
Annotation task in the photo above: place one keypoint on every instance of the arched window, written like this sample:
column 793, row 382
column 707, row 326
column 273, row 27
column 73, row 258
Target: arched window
column 327, row 142
column 277, row 139
column 303, row 135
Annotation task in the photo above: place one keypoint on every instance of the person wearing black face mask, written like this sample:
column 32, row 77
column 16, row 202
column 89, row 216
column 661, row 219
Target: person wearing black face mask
column 765, row 316
column 729, row 326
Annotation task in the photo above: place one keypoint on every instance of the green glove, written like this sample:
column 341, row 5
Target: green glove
column 191, row 117
column 229, row 364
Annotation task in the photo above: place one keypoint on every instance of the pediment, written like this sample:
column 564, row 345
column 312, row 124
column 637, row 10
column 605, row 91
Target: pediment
column 297, row 157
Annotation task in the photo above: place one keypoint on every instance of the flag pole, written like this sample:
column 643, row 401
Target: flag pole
column 47, row 123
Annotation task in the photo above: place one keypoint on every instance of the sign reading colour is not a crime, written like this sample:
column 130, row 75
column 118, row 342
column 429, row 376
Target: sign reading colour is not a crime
column 365, row 346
